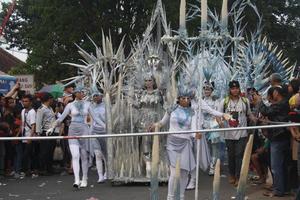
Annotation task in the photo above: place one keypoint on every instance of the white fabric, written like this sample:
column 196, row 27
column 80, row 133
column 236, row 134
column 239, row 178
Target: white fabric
column 99, row 110
column 180, row 114
column 99, row 164
column 30, row 120
column 240, row 107
column 77, row 116
column 199, row 108
column 171, row 184
column 76, row 156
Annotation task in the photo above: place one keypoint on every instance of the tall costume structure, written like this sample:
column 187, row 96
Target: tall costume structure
column 221, row 53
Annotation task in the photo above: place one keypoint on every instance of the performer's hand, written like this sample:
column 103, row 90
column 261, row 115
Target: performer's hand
column 49, row 131
column 198, row 136
column 227, row 116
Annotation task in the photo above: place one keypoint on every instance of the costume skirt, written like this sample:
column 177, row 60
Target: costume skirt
column 183, row 149
column 78, row 129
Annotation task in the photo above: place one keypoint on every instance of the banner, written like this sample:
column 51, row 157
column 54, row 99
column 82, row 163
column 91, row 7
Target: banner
column 27, row 83
column 6, row 83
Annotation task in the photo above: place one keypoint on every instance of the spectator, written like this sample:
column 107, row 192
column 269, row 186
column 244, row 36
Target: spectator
column 9, row 118
column 239, row 108
column 44, row 119
column 279, row 139
column 25, row 149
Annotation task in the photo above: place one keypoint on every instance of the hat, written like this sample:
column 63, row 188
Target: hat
column 208, row 84
column 233, row 84
column 78, row 89
column 97, row 93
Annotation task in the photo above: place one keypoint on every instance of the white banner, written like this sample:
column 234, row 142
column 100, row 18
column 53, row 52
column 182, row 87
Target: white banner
column 26, row 82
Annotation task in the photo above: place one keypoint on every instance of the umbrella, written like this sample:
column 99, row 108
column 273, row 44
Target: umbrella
column 56, row 90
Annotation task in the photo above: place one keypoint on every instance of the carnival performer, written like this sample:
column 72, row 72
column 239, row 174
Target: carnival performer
column 78, row 110
column 204, row 109
column 216, row 140
column 150, row 107
column 181, row 117
column 99, row 144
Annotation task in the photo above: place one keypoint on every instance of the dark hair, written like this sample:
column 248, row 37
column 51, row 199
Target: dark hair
column 28, row 96
column 295, row 84
column 21, row 94
column 7, row 99
column 46, row 97
column 177, row 102
column 281, row 90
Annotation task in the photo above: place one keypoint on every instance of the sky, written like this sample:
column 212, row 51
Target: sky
column 21, row 54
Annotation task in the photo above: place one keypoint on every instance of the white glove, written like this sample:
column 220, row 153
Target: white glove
column 49, row 131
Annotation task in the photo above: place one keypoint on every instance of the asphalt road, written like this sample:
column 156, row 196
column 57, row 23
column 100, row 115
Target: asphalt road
column 60, row 188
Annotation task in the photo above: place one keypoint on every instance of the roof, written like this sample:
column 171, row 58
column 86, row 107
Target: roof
column 7, row 61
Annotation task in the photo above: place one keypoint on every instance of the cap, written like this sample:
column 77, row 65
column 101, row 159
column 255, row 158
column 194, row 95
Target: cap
column 233, row 84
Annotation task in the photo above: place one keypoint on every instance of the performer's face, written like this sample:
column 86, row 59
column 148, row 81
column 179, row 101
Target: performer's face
column 149, row 83
column 97, row 98
column 79, row 95
column 207, row 91
column 184, row 101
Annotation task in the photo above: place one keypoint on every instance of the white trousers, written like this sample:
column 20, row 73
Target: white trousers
column 77, row 154
column 182, row 182
column 99, row 162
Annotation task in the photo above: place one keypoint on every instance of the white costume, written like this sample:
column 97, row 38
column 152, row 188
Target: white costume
column 78, row 110
column 179, row 146
column 99, row 144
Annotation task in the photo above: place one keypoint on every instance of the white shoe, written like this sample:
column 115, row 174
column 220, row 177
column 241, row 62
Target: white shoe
column 76, row 184
column 105, row 176
column 83, row 184
column 191, row 185
column 101, row 179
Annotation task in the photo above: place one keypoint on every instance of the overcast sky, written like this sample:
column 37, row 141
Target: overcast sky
column 21, row 54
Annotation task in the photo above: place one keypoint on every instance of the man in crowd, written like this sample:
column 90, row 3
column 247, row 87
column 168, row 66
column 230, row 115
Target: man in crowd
column 25, row 151
column 44, row 120
column 279, row 138
column 239, row 108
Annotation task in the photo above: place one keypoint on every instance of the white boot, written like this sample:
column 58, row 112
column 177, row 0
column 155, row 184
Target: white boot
column 148, row 169
column 83, row 183
column 101, row 179
column 170, row 197
column 76, row 184
column 191, row 185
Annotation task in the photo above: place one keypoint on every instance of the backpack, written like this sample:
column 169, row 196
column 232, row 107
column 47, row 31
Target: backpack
column 226, row 102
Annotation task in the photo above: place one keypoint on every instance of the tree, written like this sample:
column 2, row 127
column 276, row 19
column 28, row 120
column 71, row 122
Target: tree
column 48, row 29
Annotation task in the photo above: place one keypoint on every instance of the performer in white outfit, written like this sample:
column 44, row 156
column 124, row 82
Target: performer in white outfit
column 78, row 110
column 99, row 144
column 179, row 146
column 216, row 141
column 201, row 107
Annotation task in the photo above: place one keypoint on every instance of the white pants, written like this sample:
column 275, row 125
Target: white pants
column 182, row 182
column 77, row 154
column 99, row 158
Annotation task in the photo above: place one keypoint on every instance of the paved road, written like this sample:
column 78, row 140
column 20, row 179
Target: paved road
column 60, row 188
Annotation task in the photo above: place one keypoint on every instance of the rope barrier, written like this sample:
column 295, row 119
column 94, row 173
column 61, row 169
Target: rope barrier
column 116, row 135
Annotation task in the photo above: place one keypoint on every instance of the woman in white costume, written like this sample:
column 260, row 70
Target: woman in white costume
column 78, row 110
column 99, row 144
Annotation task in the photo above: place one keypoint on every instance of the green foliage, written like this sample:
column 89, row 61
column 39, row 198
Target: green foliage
column 48, row 29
